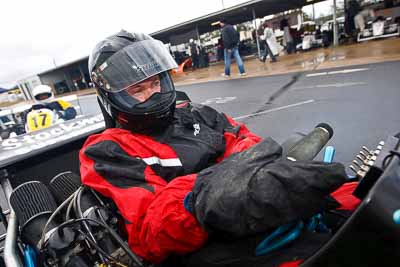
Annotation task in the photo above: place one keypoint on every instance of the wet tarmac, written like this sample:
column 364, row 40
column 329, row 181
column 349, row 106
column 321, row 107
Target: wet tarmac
column 318, row 59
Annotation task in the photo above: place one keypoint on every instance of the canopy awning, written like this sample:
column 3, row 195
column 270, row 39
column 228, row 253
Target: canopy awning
column 233, row 15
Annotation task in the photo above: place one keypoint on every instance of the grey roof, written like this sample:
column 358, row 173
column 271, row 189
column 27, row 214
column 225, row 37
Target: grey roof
column 64, row 65
column 233, row 15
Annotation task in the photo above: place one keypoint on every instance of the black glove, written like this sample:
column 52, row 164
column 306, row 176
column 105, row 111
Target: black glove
column 256, row 190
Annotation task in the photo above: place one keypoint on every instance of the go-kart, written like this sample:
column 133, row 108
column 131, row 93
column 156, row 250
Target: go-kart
column 21, row 119
column 55, row 221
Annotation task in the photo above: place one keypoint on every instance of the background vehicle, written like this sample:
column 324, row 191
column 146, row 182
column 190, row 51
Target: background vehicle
column 379, row 28
column 18, row 120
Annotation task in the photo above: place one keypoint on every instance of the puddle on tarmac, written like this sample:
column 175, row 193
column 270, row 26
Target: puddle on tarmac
column 312, row 62
column 316, row 60
column 337, row 57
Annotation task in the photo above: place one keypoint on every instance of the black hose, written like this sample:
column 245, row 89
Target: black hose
column 121, row 242
column 117, row 238
column 53, row 215
column 79, row 214
column 95, row 245
column 69, row 209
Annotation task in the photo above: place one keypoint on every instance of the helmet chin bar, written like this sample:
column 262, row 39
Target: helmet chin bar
column 108, row 120
column 146, row 124
column 139, row 123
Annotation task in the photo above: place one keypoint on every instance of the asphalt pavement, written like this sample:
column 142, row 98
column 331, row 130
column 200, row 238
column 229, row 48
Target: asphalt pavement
column 361, row 103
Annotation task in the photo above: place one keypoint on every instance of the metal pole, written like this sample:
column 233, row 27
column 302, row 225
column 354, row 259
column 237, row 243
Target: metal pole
column 69, row 82
column 335, row 28
column 83, row 77
column 257, row 39
column 198, row 35
column 24, row 91
column 313, row 12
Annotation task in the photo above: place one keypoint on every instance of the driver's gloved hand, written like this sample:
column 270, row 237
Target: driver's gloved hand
column 69, row 113
column 257, row 190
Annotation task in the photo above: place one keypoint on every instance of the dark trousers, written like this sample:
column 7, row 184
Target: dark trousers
column 195, row 61
column 269, row 52
column 290, row 47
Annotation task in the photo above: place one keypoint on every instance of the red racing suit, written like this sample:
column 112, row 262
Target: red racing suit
column 148, row 177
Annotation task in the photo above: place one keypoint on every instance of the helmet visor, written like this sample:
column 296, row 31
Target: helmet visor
column 153, row 95
column 133, row 64
column 42, row 96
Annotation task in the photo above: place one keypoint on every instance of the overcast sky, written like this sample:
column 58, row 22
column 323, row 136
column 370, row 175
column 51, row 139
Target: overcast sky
column 35, row 34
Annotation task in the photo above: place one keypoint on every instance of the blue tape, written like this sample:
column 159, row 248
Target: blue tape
column 29, row 256
column 329, row 154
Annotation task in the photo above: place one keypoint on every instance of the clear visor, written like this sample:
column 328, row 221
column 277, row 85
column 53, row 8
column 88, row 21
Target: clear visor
column 42, row 96
column 145, row 96
column 133, row 64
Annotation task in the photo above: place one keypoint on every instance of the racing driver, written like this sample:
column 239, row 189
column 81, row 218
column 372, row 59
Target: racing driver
column 46, row 110
column 181, row 173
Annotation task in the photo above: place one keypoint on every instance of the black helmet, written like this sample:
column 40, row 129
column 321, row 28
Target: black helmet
column 127, row 59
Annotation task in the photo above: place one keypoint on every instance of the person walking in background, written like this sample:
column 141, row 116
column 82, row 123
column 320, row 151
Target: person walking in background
column 287, row 37
column 362, row 17
column 230, row 38
column 353, row 8
column 272, row 48
column 261, row 39
column 194, row 53
column 203, row 58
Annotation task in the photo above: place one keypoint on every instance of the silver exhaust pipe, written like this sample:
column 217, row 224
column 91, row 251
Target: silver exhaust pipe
column 11, row 254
